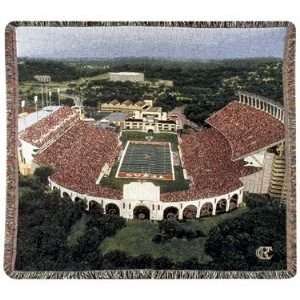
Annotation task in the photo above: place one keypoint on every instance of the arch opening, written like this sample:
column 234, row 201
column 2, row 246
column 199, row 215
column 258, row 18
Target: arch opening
column 206, row 210
column 66, row 196
column 141, row 213
column 112, row 209
column 233, row 204
column 221, row 206
column 171, row 213
column 78, row 199
column 190, row 212
column 95, row 206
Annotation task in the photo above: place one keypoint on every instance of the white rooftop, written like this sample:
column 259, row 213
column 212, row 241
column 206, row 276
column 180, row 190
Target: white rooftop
column 126, row 73
column 26, row 121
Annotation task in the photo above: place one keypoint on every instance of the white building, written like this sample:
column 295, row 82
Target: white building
column 152, row 119
column 126, row 76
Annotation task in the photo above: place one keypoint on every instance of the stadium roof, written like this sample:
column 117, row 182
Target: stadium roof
column 46, row 128
column 246, row 128
column 28, row 120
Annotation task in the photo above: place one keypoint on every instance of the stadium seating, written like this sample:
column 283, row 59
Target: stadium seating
column 246, row 128
column 78, row 157
column 207, row 159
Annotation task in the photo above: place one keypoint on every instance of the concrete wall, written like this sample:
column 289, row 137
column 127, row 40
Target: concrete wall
column 28, row 151
column 259, row 182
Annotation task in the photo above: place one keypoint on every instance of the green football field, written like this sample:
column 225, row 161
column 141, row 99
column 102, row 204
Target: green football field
column 147, row 158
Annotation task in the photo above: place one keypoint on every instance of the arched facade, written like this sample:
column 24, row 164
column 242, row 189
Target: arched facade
column 158, row 210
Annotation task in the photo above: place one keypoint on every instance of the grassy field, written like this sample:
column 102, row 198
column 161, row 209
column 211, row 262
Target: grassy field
column 136, row 239
column 178, row 184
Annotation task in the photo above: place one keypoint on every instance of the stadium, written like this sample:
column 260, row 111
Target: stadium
column 185, row 174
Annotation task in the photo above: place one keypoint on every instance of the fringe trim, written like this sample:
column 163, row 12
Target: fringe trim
column 12, row 178
column 150, row 274
column 196, row 24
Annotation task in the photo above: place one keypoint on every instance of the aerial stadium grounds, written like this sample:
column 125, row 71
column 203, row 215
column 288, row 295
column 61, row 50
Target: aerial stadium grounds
column 146, row 160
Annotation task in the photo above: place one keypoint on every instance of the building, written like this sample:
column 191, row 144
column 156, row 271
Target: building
column 116, row 119
column 152, row 119
column 127, row 106
column 126, row 76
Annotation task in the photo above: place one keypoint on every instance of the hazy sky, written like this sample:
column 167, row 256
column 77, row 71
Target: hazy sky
column 157, row 42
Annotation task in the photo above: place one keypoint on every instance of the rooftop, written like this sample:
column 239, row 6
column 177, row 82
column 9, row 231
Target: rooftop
column 126, row 73
column 116, row 117
column 28, row 120
column 54, row 122
column 153, row 109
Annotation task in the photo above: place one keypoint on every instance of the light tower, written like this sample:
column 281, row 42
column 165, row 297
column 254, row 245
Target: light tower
column 44, row 80
column 58, row 95
column 22, row 105
column 50, row 94
column 78, row 103
column 36, row 106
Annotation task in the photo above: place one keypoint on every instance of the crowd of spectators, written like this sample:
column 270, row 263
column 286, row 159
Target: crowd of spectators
column 207, row 159
column 246, row 128
column 78, row 157
column 210, row 155
column 45, row 129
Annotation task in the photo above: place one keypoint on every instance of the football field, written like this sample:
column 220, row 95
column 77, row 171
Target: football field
column 146, row 160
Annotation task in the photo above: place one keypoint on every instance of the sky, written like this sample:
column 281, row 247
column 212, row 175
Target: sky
column 154, row 42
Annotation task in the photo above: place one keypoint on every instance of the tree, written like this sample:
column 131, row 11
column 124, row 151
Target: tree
column 232, row 244
column 162, row 263
column 56, row 233
column 115, row 260
column 43, row 173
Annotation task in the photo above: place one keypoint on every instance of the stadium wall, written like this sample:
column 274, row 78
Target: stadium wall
column 157, row 209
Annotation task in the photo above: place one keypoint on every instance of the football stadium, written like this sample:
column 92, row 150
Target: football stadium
column 240, row 149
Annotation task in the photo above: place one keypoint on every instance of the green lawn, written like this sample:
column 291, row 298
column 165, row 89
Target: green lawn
column 178, row 184
column 136, row 239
